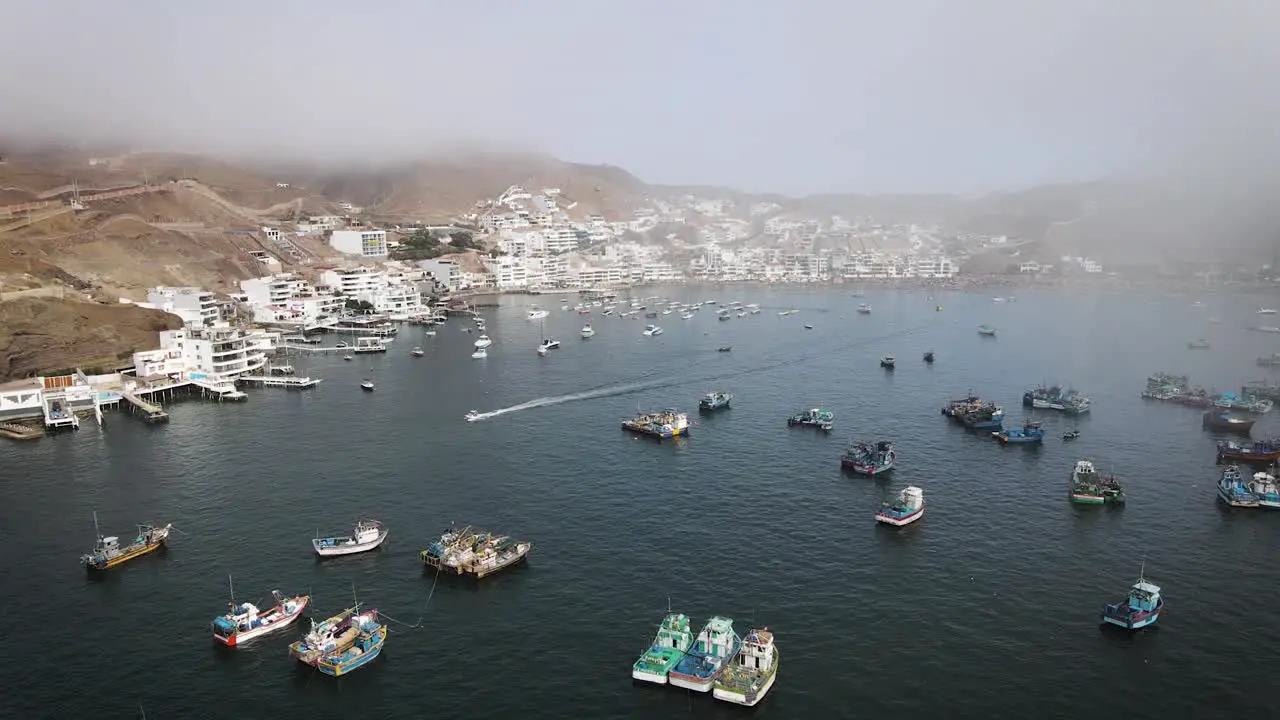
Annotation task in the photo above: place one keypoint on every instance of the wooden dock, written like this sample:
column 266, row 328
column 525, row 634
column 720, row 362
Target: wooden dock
column 284, row 381
column 151, row 412
column 289, row 347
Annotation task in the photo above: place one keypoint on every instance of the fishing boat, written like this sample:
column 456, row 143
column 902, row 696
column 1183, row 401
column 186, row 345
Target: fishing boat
column 1272, row 360
column 475, row 552
column 1200, row 344
column 1258, row 453
column 664, row 424
column 864, row 309
column 750, row 676
column 673, row 640
column 819, row 418
column 587, row 331
column 1071, row 435
column 480, row 354
column 651, row 330
column 1030, row 433
column 472, row 416
column 244, row 621
column 887, row 362
column 367, row 385
column 1112, row 490
column 715, row 400
column 958, row 408
column 107, row 552
column 1223, row 422
column 1053, row 397
column 365, row 536
column 1232, row 489
column 370, row 636
column 330, row 636
column 868, row 458
column 1085, row 485
column 986, row 331
column 928, row 357
column 715, row 647
column 986, row 416
column 1140, row 609
column 1244, row 403
column 908, row 508
column 1263, row 486
column 483, row 341
column 418, row 352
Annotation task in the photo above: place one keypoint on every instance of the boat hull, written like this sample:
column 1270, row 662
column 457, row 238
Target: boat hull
column 898, row 520
column 1136, row 621
column 661, row 434
column 1083, row 499
column 336, row 550
column 1236, row 500
column 691, row 682
column 648, row 676
column 125, row 556
column 863, row 468
column 349, row 666
column 512, row 562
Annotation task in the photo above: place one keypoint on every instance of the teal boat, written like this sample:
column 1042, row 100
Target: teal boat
column 670, row 645
column 370, row 635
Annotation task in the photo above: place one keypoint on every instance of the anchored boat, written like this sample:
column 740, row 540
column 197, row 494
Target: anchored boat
column 986, row 331
column 1085, row 485
column 673, row 640
column 715, row 400
column 958, row 408
column 587, row 331
column 245, row 621
column 475, row 552
column 888, row 362
column 928, row 357
column 864, row 309
column 986, row 416
column 1221, row 421
column 331, row 636
column 1263, row 486
column 1140, row 609
column 908, row 508
column 1030, row 432
column 748, row 679
column 651, row 330
column 370, row 636
column 662, row 425
column 107, row 552
column 1054, row 397
column 869, row 458
column 367, row 535
column 715, row 647
column 1232, row 489
column 1258, row 453
column 816, row 418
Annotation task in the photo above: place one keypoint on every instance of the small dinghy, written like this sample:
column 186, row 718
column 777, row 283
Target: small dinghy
column 1072, row 435
column 726, row 348
column 348, row 356
column 367, row 535
column 367, row 386
column 480, row 353
column 417, row 352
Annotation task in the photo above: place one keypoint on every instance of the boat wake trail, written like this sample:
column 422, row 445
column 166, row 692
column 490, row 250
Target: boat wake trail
column 572, row 397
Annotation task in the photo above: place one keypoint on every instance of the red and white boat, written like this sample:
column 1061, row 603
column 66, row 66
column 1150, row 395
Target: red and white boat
column 245, row 622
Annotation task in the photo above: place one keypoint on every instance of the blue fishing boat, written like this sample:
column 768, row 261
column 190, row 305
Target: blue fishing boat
column 715, row 647
column 1140, row 609
column 1030, row 432
column 987, row 416
column 369, row 639
column 1232, row 489
column 869, row 458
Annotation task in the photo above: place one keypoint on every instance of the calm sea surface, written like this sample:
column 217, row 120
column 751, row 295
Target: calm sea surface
column 988, row 607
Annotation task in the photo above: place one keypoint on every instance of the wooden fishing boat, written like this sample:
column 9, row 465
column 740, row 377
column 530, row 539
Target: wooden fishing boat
column 108, row 553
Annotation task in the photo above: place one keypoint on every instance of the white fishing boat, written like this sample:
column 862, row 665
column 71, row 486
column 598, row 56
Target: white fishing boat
column 908, row 509
column 245, row 621
column 483, row 341
column 367, row 535
column 480, row 354
column 750, row 676
column 651, row 330
column 588, row 331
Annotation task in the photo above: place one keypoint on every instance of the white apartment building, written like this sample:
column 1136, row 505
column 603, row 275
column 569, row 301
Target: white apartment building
column 445, row 272
column 195, row 306
column 387, row 294
column 933, row 266
column 273, row 289
column 509, row 272
column 559, row 239
column 288, row 298
column 365, row 243
column 355, row 281
column 593, row 277
column 214, row 354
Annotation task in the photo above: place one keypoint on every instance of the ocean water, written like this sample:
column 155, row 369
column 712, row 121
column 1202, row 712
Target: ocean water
column 988, row 607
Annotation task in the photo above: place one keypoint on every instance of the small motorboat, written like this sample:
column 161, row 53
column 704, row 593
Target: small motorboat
column 1200, row 344
column 651, row 330
column 986, row 331
column 726, row 348
column 587, row 331
column 367, row 386
column 480, row 353
column 864, row 309
column 417, row 352
column 472, row 416
column 1071, row 435
column 483, row 341
column 340, row 344
column 887, row 362
column 348, row 356
column 431, row 333
column 928, row 357
column 808, row 326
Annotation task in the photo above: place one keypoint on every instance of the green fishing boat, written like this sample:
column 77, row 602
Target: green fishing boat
column 1085, row 486
column 670, row 645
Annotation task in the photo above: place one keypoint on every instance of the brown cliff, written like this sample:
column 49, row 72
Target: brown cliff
column 41, row 335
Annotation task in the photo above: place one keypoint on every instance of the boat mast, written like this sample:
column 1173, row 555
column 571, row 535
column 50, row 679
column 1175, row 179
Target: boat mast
column 96, row 530
column 232, row 588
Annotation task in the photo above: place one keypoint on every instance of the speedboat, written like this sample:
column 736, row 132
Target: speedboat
column 537, row 314
column 808, row 327
column 483, row 341
column 887, row 362
column 651, row 330
column 480, row 353
column 588, row 331
column 864, row 309
column 348, row 356
column 417, row 352
column 367, row 386
column 472, row 416
column 1265, row 311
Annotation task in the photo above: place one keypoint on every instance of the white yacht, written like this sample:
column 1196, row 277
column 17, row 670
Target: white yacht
column 1265, row 311
column 686, row 315
column 548, row 344
column 588, row 331
column 480, row 353
column 651, row 330
column 537, row 313
column 483, row 342
column 417, row 352
column 472, row 416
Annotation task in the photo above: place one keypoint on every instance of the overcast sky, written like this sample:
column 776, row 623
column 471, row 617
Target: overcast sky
column 797, row 96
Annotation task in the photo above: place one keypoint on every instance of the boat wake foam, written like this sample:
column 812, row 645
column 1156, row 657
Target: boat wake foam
column 558, row 399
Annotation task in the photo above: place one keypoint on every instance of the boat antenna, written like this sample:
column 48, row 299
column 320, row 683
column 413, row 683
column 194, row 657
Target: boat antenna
column 232, row 588
column 96, row 530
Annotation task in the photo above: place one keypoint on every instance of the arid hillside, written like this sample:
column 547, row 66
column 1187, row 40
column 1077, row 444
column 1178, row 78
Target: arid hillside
column 39, row 335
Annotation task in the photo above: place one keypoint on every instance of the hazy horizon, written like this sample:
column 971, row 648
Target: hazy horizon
column 798, row 98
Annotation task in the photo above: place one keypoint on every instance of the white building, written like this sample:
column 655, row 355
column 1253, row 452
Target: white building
column 353, row 281
column 286, row 298
column 212, row 354
column 387, row 294
column 445, row 272
column 934, row 266
column 195, row 306
column 365, row 243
